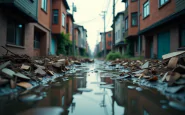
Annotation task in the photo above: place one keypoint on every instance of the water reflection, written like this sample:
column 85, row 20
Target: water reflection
column 117, row 101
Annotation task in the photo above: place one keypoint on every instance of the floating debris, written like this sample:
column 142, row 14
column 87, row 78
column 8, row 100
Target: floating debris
column 177, row 105
column 139, row 89
column 30, row 97
column 43, row 111
column 174, row 89
column 101, row 83
column 131, row 87
column 100, row 93
column 85, row 89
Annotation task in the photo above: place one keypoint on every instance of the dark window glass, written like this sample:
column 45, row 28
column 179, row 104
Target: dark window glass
column 134, row 19
column 55, row 16
column 182, row 36
column 37, row 40
column 126, row 23
column 15, row 33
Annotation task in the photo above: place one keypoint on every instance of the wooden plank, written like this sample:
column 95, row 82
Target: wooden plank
column 173, row 54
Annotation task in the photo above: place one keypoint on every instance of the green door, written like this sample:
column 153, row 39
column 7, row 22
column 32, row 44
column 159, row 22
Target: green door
column 163, row 44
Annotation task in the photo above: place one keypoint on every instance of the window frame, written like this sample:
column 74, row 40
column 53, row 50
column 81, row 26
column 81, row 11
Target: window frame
column 44, row 4
column 15, row 29
column 55, row 16
column 145, row 16
column 36, row 34
column 126, row 23
column 126, row 4
column 63, row 20
column 134, row 13
column 161, row 5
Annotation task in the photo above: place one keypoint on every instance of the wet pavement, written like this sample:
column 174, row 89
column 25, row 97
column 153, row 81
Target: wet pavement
column 85, row 93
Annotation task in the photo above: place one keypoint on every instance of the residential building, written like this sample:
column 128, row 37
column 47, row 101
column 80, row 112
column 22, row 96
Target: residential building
column 81, row 38
column 160, row 26
column 120, row 46
column 108, row 36
column 59, row 14
column 25, row 26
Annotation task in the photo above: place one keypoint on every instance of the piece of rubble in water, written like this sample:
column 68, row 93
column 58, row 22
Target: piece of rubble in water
column 146, row 77
column 131, row 87
column 57, row 64
column 40, row 71
column 20, row 75
column 177, row 105
column 173, row 54
column 25, row 85
column 8, row 72
column 30, row 98
column 13, row 82
column 43, row 111
column 145, row 66
column 61, row 60
column 100, row 93
column 138, row 72
column 3, row 81
column 180, row 69
column 154, row 78
column 98, row 83
column 107, row 86
column 5, row 64
column 25, row 67
column 77, row 63
column 39, row 62
column 173, row 62
column 139, row 89
column 174, row 89
column 164, row 77
column 39, row 66
column 50, row 72
column 85, row 89
column 172, row 76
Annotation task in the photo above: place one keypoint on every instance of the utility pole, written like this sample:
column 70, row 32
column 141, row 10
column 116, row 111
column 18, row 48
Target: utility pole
column 73, row 39
column 104, row 17
column 113, row 44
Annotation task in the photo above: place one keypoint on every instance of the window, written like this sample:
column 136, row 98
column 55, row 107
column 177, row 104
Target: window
column 134, row 19
column 15, row 33
column 118, row 34
column 109, row 35
column 44, row 5
column 37, row 40
column 63, row 19
column 134, row 0
column 126, row 23
column 126, row 4
column 162, row 2
column 146, row 9
column 55, row 16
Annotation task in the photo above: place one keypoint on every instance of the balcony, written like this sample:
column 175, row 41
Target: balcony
column 25, row 10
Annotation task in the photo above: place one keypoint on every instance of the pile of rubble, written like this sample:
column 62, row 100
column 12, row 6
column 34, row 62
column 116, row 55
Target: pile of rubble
column 170, row 70
column 18, row 70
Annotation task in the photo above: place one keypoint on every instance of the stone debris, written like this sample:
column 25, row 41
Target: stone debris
column 20, row 70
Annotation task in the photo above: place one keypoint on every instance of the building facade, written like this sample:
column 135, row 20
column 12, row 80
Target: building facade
column 120, row 45
column 159, row 26
column 59, row 19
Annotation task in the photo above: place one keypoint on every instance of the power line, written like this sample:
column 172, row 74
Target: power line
column 88, row 21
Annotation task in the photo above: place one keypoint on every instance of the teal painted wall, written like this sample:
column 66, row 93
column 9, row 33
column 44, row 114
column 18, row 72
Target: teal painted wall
column 163, row 44
column 53, row 46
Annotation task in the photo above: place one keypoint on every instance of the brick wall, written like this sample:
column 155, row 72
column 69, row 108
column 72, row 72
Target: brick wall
column 58, row 28
column 44, row 17
column 133, row 7
column 70, row 22
column 156, row 13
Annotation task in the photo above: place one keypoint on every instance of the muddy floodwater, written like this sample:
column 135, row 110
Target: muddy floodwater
column 88, row 93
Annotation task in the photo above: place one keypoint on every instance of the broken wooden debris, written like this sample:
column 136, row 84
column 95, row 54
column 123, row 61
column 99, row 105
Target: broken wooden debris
column 5, row 64
column 173, row 62
column 25, row 85
column 25, row 67
column 173, row 54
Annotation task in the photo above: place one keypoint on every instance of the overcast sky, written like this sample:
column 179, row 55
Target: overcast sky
column 88, row 15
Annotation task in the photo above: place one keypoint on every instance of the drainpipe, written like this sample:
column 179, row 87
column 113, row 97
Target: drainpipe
column 139, row 28
column 50, row 37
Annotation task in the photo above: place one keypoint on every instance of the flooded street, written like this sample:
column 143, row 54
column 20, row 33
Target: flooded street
column 93, row 98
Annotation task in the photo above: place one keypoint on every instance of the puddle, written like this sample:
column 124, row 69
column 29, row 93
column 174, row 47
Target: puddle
column 86, row 95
